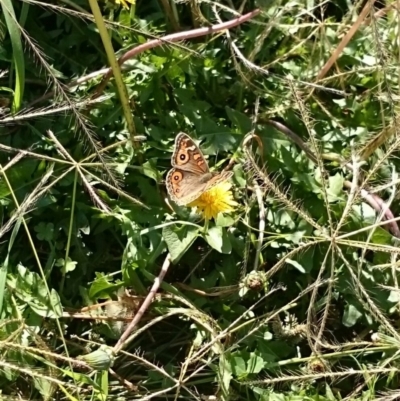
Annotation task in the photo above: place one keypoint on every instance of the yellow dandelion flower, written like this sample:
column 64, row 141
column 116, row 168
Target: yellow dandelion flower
column 124, row 3
column 218, row 199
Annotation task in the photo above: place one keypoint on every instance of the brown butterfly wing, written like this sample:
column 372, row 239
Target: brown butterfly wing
column 185, row 186
column 218, row 178
column 187, row 156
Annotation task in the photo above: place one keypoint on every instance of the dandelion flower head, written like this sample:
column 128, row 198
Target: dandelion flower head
column 124, row 3
column 218, row 199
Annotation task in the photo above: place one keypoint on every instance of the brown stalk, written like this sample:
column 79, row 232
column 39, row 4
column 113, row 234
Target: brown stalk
column 146, row 303
column 372, row 199
column 335, row 55
column 170, row 15
column 175, row 37
column 377, row 141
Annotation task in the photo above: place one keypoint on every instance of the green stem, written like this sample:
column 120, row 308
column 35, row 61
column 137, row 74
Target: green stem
column 206, row 225
column 70, row 231
column 108, row 47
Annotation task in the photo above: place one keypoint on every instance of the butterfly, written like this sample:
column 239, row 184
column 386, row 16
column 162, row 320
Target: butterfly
column 190, row 175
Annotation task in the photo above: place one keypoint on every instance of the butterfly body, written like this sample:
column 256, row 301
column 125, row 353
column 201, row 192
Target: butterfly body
column 190, row 175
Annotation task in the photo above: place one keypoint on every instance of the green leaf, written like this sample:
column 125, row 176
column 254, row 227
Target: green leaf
column 381, row 236
column 179, row 240
column 224, row 375
column 67, row 267
column 351, row 315
column 335, row 189
column 363, row 212
column 242, row 121
column 102, row 380
column 297, row 265
column 150, row 169
column 4, row 266
column 56, row 303
column 81, row 378
column 3, row 280
column 45, row 232
column 218, row 239
column 102, row 287
column 45, row 387
column 238, row 366
column 394, row 296
column 329, row 393
column 224, row 220
column 289, row 161
column 30, row 289
column 255, row 363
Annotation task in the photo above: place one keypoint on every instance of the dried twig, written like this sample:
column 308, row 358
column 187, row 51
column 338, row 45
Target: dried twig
column 124, row 340
column 175, row 37
column 346, row 39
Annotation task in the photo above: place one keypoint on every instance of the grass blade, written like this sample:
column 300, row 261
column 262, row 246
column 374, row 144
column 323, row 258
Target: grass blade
column 18, row 53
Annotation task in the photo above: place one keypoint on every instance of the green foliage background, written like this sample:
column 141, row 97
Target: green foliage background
column 293, row 296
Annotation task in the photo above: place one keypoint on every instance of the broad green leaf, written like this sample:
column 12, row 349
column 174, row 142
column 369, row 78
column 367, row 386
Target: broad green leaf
column 288, row 160
column 45, row 387
column 307, row 181
column 102, row 287
column 242, row 121
column 280, row 217
column 255, row 363
column 69, row 266
column 351, row 315
column 30, row 288
column 179, row 239
column 224, row 220
column 150, row 169
column 45, row 232
column 218, row 239
column 224, row 375
column 381, row 236
column 329, row 393
column 219, row 141
column 214, row 237
column 295, row 237
column 335, row 189
column 238, row 366
column 56, row 303
column 394, row 296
